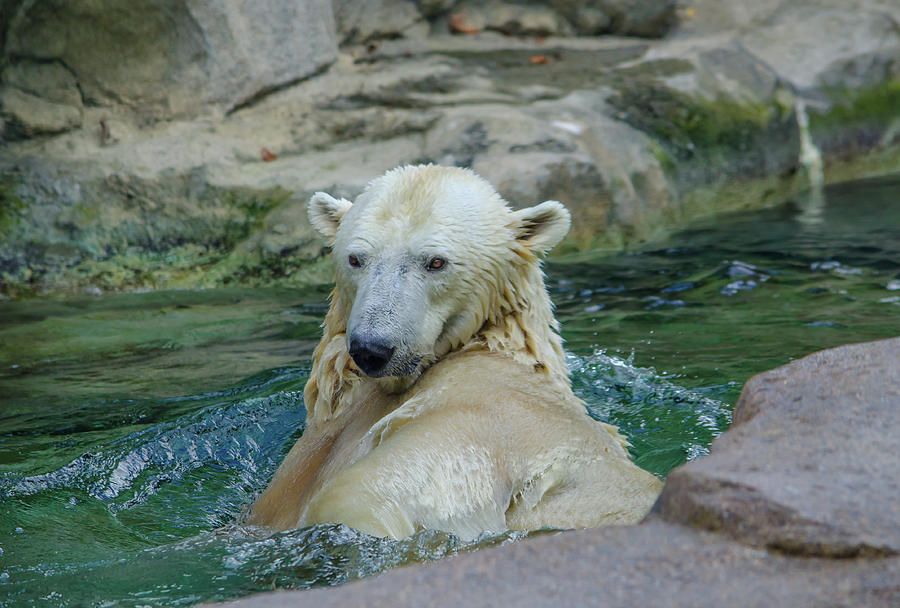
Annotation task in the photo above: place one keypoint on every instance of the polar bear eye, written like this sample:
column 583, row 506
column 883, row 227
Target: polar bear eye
column 354, row 261
column 436, row 264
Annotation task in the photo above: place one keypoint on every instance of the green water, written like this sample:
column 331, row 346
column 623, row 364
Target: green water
column 134, row 428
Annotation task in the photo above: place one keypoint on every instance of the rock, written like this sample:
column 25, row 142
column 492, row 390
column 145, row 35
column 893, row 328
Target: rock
column 39, row 99
column 650, row 18
column 812, row 45
column 374, row 20
column 433, row 8
column 648, row 565
column 49, row 81
column 511, row 18
column 25, row 115
column 817, row 50
column 712, row 68
column 170, row 58
column 711, row 105
column 809, row 465
column 123, row 232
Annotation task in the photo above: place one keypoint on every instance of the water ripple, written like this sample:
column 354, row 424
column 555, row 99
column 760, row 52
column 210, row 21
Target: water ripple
column 244, row 436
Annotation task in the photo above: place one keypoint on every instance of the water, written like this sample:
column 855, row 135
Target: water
column 134, row 428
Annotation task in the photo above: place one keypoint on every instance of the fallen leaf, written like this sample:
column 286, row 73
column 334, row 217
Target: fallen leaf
column 457, row 24
column 267, row 156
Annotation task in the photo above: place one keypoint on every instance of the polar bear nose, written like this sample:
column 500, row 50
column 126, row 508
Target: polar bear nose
column 371, row 356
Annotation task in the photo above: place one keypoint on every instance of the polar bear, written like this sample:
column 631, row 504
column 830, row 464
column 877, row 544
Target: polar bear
column 439, row 395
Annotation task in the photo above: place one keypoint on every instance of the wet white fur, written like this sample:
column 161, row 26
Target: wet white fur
column 474, row 427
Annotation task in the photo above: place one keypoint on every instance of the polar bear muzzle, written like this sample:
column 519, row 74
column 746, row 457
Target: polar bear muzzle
column 371, row 356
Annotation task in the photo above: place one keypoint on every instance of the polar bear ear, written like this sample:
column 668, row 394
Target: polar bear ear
column 325, row 213
column 541, row 227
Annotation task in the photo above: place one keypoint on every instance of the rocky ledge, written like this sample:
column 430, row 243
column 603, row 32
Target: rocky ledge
column 796, row 505
column 185, row 160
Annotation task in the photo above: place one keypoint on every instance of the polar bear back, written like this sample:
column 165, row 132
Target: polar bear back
column 523, row 454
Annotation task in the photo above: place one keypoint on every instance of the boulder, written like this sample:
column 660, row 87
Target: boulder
column 649, row 565
column 26, row 115
column 52, row 81
column 815, row 46
column 170, row 58
column 818, row 50
column 649, row 18
column 511, row 18
column 375, row 20
column 809, row 465
column 39, row 99
column 716, row 109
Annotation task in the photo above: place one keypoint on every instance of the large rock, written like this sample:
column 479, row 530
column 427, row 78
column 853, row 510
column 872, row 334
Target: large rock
column 512, row 18
column 717, row 110
column 172, row 57
column 809, row 466
column 815, row 46
column 123, row 232
column 649, row 565
column 602, row 169
column 374, row 19
column 818, row 50
column 27, row 115
column 797, row 505
column 651, row 18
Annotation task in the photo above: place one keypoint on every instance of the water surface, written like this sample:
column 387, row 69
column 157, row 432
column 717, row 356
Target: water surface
column 134, row 428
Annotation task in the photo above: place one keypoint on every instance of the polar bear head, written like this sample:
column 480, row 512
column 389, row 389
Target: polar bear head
column 429, row 259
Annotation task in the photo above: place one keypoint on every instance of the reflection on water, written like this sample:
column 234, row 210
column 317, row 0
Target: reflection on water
column 134, row 428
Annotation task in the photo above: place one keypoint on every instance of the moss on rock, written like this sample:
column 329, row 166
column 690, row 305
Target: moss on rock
column 121, row 234
column 858, row 119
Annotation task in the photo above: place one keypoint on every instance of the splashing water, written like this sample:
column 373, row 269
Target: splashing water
column 666, row 424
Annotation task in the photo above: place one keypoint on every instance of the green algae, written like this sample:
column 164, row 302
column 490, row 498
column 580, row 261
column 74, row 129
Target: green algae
column 11, row 207
column 688, row 126
column 872, row 105
column 858, row 120
column 127, row 234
